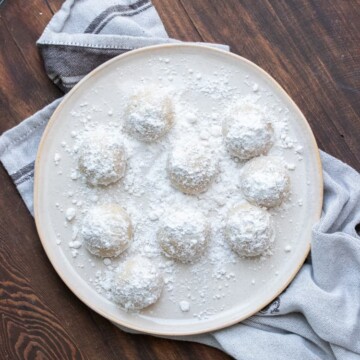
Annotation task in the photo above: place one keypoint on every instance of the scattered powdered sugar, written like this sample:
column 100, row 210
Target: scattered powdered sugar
column 107, row 261
column 57, row 159
column 70, row 214
column 290, row 167
column 184, row 305
column 144, row 175
column 75, row 244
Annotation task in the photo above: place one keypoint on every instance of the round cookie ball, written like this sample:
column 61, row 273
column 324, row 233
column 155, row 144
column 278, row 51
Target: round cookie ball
column 247, row 133
column 249, row 230
column 106, row 230
column 149, row 115
column 183, row 235
column 102, row 157
column 192, row 168
column 137, row 284
column 265, row 181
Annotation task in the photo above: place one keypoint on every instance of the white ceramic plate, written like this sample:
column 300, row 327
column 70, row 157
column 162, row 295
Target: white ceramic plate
column 252, row 284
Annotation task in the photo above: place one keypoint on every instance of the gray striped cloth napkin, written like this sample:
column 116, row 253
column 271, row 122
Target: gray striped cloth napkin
column 318, row 316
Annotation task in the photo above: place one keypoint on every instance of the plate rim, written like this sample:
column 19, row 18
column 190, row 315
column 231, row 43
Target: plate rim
column 37, row 190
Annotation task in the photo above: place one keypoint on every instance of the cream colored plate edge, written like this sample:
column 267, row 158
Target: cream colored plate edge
column 174, row 326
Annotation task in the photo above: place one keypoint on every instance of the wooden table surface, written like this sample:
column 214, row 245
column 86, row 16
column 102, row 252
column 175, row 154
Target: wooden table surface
column 311, row 47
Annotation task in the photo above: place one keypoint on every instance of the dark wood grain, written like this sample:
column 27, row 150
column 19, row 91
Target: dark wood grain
column 310, row 47
column 24, row 86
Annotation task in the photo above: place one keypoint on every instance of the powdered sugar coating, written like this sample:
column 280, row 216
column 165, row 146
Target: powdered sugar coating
column 213, row 283
column 183, row 235
column 102, row 157
column 192, row 168
column 137, row 283
column 106, row 230
column 249, row 230
column 149, row 115
column 247, row 132
column 265, row 181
